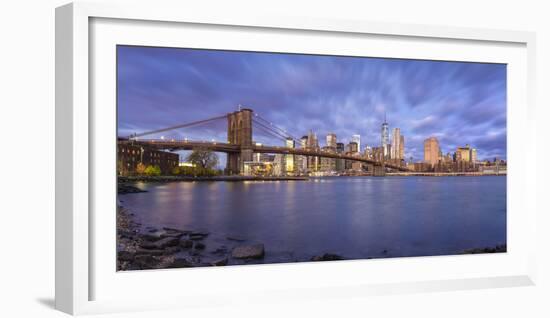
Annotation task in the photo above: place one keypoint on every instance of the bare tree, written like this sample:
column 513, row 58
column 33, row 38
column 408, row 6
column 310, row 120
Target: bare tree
column 203, row 158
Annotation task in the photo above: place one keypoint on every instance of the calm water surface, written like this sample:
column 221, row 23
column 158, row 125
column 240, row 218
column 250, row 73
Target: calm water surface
column 356, row 217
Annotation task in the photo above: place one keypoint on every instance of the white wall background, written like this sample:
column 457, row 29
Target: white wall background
column 27, row 157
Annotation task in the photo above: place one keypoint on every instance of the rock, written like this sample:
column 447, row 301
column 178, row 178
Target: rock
column 199, row 246
column 202, row 233
column 196, row 237
column 160, row 244
column 180, row 263
column 220, row 250
column 125, row 188
column 171, row 229
column 219, row 262
column 195, row 253
column 125, row 234
column 171, row 234
column 186, row 243
column 125, row 256
column 248, row 251
column 145, row 261
column 143, row 251
column 152, row 237
column 236, row 238
column 172, row 250
column 327, row 257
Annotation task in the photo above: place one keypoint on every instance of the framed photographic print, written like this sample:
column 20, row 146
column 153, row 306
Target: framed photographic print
column 269, row 154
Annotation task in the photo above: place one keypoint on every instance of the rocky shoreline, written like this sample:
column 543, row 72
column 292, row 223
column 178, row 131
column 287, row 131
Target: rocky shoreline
column 141, row 247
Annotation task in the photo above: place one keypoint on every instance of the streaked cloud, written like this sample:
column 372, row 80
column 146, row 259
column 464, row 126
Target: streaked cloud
column 460, row 103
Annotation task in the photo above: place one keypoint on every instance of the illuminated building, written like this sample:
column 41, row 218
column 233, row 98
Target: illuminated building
column 279, row 165
column 340, row 163
column 431, row 151
column 289, row 164
column 328, row 164
column 463, row 153
column 396, row 151
column 352, row 148
column 357, row 139
column 331, row 140
column 313, row 145
column 402, row 147
column 385, row 137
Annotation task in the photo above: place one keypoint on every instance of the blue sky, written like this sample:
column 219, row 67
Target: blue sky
column 459, row 103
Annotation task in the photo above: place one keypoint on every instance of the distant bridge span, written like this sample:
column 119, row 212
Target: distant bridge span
column 174, row 145
column 239, row 146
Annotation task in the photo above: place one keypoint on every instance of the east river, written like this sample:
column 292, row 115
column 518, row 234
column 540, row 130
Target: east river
column 355, row 217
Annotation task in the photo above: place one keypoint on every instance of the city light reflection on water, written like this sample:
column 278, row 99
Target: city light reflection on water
column 357, row 217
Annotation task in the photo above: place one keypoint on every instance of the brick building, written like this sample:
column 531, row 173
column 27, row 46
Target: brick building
column 128, row 157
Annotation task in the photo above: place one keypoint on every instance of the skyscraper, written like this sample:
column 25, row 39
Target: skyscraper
column 357, row 139
column 402, row 148
column 340, row 163
column 396, row 144
column 385, row 137
column 463, row 153
column 289, row 164
column 312, row 144
column 301, row 161
column 331, row 140
column 431, row 151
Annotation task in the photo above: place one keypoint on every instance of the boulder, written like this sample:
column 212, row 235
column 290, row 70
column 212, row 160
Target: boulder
column 235, row 238
column 222, row 250
column 186, row 243
column 160, row 244
column 172, row 250
column 202, row 233
column 154, row 236
column 171, row 234
column 125, row 256
column 145, row 261
column 248, row 251
column 199, row 246
column 171, row 229
column 180, row 263
column 143, row 251
column 219, row 262
column 196, row 237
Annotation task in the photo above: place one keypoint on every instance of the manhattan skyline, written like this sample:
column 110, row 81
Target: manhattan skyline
column 459, row 103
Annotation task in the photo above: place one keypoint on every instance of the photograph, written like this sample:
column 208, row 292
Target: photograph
column 228, row 157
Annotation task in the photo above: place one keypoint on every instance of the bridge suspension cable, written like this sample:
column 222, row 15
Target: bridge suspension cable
column 270, row 131
column 195, row 123
column 269, row 125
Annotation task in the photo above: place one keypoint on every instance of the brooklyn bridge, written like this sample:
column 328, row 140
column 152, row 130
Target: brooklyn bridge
column 240, row 147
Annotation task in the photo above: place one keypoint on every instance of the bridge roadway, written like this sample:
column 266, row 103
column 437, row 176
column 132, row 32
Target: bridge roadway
column 173, row 145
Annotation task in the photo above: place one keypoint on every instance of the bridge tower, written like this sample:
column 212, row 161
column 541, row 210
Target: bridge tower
column 239, row 132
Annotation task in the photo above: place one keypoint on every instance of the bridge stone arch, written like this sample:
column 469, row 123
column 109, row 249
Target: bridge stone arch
column 239, row 132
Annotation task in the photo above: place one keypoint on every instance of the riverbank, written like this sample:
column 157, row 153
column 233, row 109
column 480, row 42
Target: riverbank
column 129, row 179
column 141, row 247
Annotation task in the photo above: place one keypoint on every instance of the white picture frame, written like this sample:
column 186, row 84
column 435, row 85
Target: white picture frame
column 77, row 252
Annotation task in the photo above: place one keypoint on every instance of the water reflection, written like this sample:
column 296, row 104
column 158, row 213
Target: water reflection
column 355, row 217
